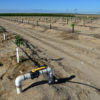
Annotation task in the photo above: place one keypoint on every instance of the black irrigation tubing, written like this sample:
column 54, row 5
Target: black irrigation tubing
column 38, row 14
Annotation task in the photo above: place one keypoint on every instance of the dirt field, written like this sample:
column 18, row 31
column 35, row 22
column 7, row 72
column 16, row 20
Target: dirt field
column 75, row 58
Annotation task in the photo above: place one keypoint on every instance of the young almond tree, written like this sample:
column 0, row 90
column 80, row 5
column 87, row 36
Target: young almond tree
column 3, row 30
column 84, row 22
column 19, row 41
column 67, row 21
column 37, row 23
column 1, row 64
column 50, row 26
column 73, row 25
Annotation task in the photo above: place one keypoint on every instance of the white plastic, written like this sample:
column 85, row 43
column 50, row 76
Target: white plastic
column 4, row 36
column 17, row 54
column 18, row 81
column 50, row 73
column 21, row 78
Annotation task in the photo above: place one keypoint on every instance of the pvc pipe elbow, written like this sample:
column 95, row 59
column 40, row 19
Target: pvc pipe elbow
column 18, row 81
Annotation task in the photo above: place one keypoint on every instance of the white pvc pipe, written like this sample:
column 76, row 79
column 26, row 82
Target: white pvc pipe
column 18, row 81
column 17, row 54
column 4, row 36
column 50, row 74
column 21, row 78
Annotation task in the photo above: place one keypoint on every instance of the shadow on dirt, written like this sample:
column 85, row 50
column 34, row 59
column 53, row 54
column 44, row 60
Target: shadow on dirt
column 29, row 57
column 80, row 83
column 60, row 81
column 58, row 59
column 69, row 35
column 36, row 57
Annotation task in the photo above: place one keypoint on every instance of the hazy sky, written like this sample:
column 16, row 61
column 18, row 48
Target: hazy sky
column 80, row 6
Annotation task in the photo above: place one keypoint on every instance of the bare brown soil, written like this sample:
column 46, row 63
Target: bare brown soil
column 75, row 58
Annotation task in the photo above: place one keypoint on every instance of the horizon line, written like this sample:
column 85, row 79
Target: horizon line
column 45, row 11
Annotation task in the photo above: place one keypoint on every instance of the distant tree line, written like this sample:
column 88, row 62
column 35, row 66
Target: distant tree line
column 38, row 14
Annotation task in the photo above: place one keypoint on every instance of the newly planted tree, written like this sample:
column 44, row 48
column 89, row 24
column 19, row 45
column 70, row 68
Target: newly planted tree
column 84, row 22
column 50, row 26
column 73, row 25
column 28, row 22
column 1, row 64
column 37, row 23
column 22, row 21
column 2, row 29
column 67, row 21
column 19, row 41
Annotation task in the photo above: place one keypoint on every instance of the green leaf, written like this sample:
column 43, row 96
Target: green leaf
column 19, row 40
column 1, row 64
column 73, row 25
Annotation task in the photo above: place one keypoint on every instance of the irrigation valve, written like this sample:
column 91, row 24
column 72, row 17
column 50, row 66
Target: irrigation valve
column 35, row 73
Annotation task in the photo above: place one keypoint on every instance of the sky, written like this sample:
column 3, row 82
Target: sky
column 58, row 6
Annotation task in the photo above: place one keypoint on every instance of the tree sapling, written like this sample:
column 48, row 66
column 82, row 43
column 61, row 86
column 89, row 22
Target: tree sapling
column 73, row 25
column 19, row 41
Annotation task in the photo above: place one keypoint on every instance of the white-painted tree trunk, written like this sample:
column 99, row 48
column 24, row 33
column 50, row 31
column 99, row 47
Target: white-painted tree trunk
column 17, row 54
column 4, row 36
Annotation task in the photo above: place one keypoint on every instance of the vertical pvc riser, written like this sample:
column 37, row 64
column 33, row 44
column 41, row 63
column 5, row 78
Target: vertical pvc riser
column 19, row 90
column 4, row 36
column 50, row 75
column 17, row 54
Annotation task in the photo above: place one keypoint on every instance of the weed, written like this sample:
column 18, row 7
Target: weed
column 72, row 25
column 2, row 29
column 1, row 64
column 22, row 59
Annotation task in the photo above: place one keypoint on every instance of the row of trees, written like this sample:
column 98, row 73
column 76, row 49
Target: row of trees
column 37, row 20
column 18, row 41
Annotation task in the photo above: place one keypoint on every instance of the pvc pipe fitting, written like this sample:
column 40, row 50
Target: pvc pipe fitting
column 33, row 75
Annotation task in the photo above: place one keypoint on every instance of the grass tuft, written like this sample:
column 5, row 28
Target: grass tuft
column 2, row 29
column 23, row 59
column 1, row 64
